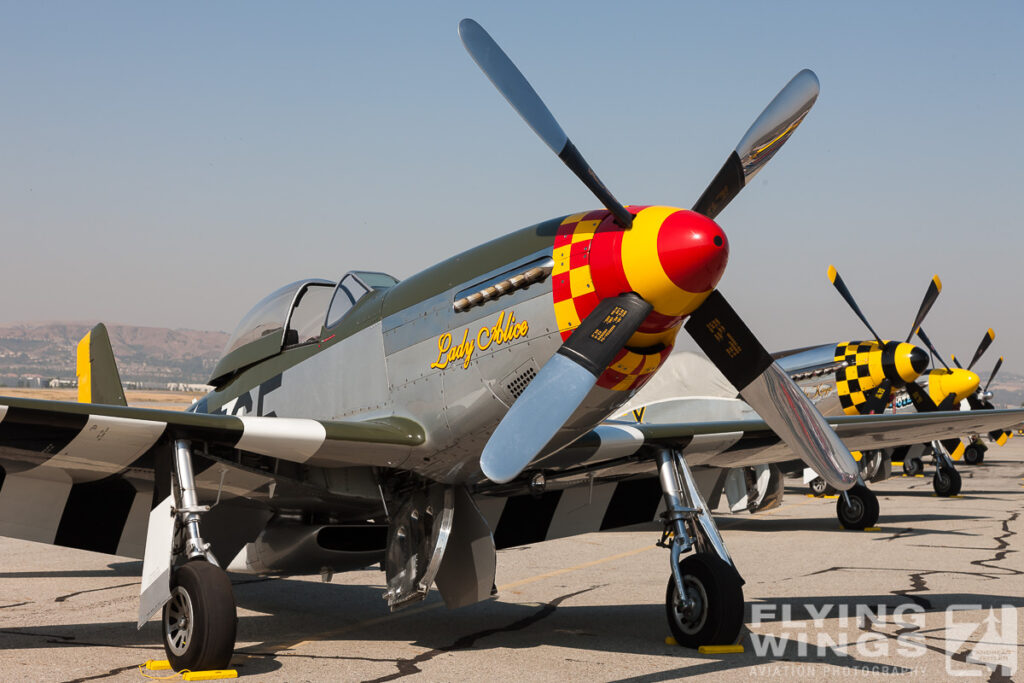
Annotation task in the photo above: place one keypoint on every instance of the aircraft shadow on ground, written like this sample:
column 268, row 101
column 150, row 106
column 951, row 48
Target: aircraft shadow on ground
column 292, row 612
column 831, row 524
column 129, row 569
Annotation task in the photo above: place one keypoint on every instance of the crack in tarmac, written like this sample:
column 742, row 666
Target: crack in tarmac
column 996, row 675
column 1002, row 548
column 62, row 598
column 407, row 667
column 917, row 585
column 900, row 534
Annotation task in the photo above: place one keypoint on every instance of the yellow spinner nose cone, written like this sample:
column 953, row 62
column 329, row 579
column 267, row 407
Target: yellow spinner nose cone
column 957, row 381
column 909, row 361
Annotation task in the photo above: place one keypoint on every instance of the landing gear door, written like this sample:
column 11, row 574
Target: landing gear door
column 156, row 563
column 467, row 570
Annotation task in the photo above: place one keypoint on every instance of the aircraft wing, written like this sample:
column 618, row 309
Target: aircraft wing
column 107, row 438
column 743, row 442
column 85, row 475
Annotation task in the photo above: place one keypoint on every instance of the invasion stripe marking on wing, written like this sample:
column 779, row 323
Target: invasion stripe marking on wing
column 293, row 439
column 39, row 431
column 526, row 519
column 635, row 501
column 580, row 510
column 617, row 440
column 95, row 515
column 106, row 445
column 31, row 507
column 703, row 447
column 236, row 482
column 132, row 542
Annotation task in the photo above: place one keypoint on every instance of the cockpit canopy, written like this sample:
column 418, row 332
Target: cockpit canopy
column 294, row 315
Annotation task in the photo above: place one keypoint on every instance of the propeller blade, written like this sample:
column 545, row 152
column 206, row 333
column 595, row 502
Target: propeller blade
column 931, row 347
column 511, row 83
column 957, row 362
column 556, row 392
column 878, row 399
column 929, row 298
column 733, row 348
column 986, row 341
column 923, row 403
column 837, row 282
column 999, row 364
column 760, row 143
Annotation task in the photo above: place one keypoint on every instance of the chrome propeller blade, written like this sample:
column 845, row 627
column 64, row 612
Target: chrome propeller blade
column 760, row 143
column 559, row 388
column 511, row 83
column 730, row 345
column 837, row 282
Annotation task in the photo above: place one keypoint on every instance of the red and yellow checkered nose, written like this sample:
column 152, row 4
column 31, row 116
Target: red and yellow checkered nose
column 671, row 257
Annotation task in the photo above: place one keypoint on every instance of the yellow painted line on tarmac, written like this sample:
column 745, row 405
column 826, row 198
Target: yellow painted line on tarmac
column 585, row 565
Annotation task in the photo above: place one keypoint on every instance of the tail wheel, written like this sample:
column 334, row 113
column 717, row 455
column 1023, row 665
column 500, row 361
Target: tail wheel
column 199, row 621
column 913, row 465
column 862, row 510
column 946, row 482
column 714, row 613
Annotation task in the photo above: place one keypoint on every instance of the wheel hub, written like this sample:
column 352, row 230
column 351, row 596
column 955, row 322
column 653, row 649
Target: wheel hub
column 691, row 611
column 178, row 621
column 854, row 510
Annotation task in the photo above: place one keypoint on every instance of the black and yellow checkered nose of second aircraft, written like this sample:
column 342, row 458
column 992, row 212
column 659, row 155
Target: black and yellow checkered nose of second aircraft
column 868, row 364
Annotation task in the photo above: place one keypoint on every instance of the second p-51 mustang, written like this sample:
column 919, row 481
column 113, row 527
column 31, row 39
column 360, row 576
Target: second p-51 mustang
column 370, row 420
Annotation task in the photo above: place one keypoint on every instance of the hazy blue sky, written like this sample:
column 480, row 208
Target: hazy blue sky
column 169, row 164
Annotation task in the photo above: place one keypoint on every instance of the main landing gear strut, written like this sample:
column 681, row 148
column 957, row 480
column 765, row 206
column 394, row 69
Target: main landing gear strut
column 199, row 620
column 704, row 597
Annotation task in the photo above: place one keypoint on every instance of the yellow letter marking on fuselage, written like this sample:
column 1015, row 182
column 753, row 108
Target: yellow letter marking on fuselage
column 501, row 332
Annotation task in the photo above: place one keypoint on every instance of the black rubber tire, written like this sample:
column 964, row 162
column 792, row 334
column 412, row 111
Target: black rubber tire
column 913, row 465
column 946, row 482
column 973, row 455
column 820, row 487
column 214, row 618
column 718, row 590
column 862, row 511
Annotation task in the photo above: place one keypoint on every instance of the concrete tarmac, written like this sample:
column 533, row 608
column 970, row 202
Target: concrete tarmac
column 933, row 595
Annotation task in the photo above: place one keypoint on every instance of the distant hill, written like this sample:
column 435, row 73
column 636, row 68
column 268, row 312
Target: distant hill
column 1007, row 389
column 152, row 356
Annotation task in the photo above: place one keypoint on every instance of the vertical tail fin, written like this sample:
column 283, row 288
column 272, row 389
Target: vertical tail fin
column 98, row 379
